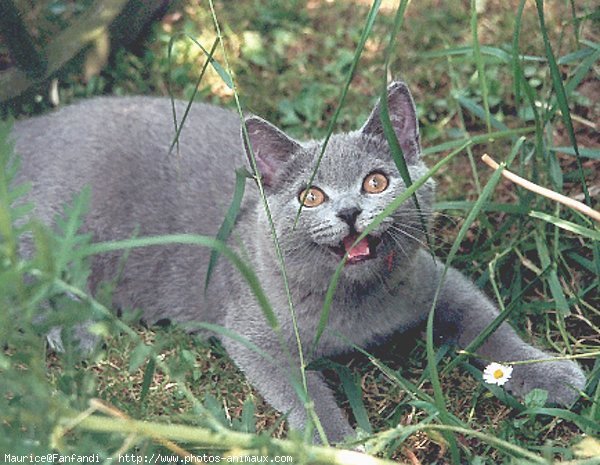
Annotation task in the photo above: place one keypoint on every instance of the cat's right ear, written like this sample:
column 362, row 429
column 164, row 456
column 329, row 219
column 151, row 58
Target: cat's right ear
column 271, row 147
column 403, row 116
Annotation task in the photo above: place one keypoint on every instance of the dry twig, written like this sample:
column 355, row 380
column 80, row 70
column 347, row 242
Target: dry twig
column 569, row 202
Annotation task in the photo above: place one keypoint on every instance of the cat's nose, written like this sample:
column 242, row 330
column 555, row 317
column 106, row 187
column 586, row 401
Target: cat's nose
column 349, row 215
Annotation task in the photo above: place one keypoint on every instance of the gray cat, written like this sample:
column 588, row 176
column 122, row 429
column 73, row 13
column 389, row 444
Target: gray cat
column 120, row 147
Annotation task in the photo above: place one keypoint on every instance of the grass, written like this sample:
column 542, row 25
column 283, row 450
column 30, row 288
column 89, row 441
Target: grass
column 290, row 61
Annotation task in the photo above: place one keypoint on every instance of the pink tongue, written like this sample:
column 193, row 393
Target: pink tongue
column 359, row 250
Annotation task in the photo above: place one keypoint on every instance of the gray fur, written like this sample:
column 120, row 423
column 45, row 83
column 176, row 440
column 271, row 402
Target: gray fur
column 119, row 146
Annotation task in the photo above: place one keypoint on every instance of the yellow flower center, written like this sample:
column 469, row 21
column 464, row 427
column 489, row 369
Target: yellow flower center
column 498, row 374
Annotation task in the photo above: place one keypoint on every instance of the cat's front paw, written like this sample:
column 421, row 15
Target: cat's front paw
column 563, row 379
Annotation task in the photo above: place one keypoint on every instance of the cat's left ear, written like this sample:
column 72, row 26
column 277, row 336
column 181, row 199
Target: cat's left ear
column 403, row 116
column 271, row 147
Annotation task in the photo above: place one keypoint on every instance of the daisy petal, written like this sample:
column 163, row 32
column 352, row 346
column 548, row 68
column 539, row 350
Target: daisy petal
column 496, row 373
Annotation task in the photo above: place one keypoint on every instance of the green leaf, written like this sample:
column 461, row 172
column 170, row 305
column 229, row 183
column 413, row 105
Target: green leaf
column 535, row 398
column 555, row 171
column 216, row 409
column 69, row 240
column 147, row 381
column 241, row 174
column 482, row 113
column 248, row 425
column 576, row 57
column 138, row 355
column 354, row 394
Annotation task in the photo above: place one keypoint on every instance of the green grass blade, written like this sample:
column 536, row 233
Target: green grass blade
column 278, row 252
column 561, row 95
column 480, row 66
column 357, row 54
column 6, row 214
column 493, row 441
column 575, row 21
column 532, row 102
column 576, row 57
column 582, row 261
column 388, row 130
column 209, row 60
column 591, row 153
column 223, row 74
column 481, row 113
column 584, row 423
column 515, row 59
column 467, row 51
column 495, row 324
column 384, row 115
column 138, row 355
column 582, row 71
column 353, row 393
column 376, row 222
column 221, row 330
column 555, row 288
column 593, row 234
column 147, row 380
column 70, row 227
column 513, row 209
column 411, row 388
column 478, row 139
column 191, row 239
column 471, row 217
column 241, row 174
column 247, row 423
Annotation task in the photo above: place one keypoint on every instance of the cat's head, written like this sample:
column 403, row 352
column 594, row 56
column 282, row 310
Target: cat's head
column 356, row 180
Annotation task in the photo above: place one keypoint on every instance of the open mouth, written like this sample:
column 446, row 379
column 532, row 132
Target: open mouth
column 364, row 250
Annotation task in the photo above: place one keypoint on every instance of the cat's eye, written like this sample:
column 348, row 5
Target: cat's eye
column 311, row 197
column 375, row 183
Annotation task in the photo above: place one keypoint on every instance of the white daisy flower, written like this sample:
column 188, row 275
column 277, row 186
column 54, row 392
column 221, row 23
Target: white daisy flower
column 496, row 373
